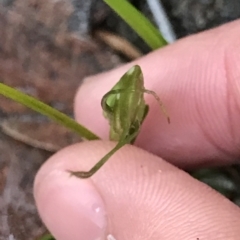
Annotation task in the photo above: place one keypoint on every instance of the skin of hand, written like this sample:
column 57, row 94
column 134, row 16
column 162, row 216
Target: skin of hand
column 139, row 195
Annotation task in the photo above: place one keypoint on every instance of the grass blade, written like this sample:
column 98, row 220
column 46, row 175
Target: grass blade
column 46, row 110
column 138, row 22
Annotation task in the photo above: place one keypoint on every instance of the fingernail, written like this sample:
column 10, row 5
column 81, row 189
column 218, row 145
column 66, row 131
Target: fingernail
column 70, row 207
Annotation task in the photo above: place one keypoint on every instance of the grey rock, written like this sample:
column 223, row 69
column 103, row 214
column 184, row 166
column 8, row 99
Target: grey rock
column 192, row 16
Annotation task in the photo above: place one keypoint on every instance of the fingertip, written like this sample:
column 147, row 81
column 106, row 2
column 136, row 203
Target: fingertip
column 70, row 207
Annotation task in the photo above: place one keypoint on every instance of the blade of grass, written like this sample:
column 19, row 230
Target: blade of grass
column 138, row 22
column 46, row 110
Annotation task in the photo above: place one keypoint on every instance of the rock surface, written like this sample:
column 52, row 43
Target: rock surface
column 192, row 16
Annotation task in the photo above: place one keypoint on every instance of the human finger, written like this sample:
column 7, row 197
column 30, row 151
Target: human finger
column 197, row 79
column 136, row 195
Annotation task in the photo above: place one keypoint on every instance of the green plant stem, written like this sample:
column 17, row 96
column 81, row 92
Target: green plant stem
column 46, row 110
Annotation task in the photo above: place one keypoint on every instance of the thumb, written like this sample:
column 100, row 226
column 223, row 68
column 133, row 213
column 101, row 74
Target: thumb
column 136, row 195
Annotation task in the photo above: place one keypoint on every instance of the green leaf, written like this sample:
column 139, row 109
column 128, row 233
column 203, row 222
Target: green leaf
column 138, row 22
column 46, row 110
